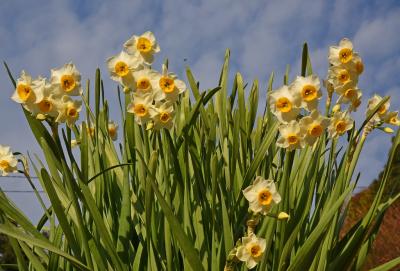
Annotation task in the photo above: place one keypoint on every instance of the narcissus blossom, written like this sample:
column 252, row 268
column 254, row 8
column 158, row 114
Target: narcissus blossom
column 383, row 109
column 162, row 115
column 144, row 81
column 69, row 111
column 284, row 105
column 341, row 54
column 140, row 106
column 8, row 162
column 66, row 80
column 340, row 123
column 169, row 86
column 251, row 250
column 48, row 105
column 291, row 136
column 307, row 90
column 342, row 78
column 122, row 66
column 113, row 130
column 313, row 126
column 262, row 194
column 144, row 47
column 392, row 118
column 28, row 91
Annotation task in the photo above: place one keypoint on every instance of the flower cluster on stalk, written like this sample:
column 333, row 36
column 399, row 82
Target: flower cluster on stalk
column 296, row 105
column 261, row 195
column 51, row 99
column 153, row 94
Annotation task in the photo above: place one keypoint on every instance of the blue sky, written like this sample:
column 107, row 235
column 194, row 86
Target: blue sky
column 263, row 37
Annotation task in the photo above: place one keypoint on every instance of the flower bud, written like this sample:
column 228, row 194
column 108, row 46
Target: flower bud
column 283, row 216
column 388, row 130
column 336, row 108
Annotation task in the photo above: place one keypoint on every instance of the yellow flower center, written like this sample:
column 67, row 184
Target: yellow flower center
column 359, row 67
column 143, row 45
column 165, row 117
column 340, row 126
column 4, row 164
column 343, row 76
column 315, row 130
column 140, row 110
column 72, row 112
column 45, row 106
column 264, row 197
column 382, row 110
column 345, row 55
column 112, row 131
column 350, row 93
column 67, row 82
column 121, row 68
column 143, row 84
column 309, row 93
column 167, row 84
column 292, row 139
column 24, row 92
column 393, row 120
column 283, row 104
column 255, row 251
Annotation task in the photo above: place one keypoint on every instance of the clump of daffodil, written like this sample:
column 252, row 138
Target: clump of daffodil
column 51, row 99
column 8, row 162
column 313, row 126
column 262, row 195
column 284, row 104
column 251, row 250
column 143, row 47
column 291, row 136
column 340, row 123
column 345, row 67
column 153, row 94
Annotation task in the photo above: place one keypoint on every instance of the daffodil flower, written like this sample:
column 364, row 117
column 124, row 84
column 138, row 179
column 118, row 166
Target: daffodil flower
column 122, row 66
column 341, row 54
column 168, row 86
column 112, row 128
column 28, row 91
column 340, row 123
column 48, row 105
column 349, row 95
column 382, row 111
column 262, row 194
column 251, row 250
column 68, row 110
column 162, row 115
column 66, row 80
column 8, row 162
column 144, row 81
column 144, row 47
column 140, row 106
column 342, row 78
column 284, row 105
column 291, row 136
column 392, row 118
column 313, row 126
column 307, row 90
